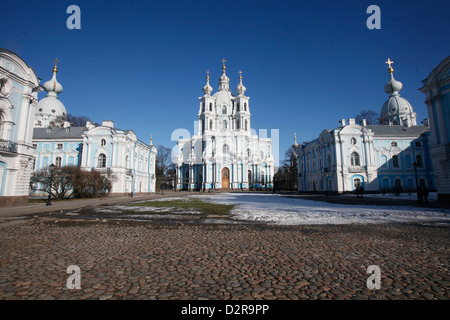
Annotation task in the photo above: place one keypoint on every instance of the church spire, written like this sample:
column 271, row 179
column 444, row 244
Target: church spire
column 240, row 88
column 393, row 86
column 396, row 110
column 207, row 89
column 224, row 81
column 53, row 87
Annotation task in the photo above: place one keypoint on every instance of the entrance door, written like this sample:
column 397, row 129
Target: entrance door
column 225, row 178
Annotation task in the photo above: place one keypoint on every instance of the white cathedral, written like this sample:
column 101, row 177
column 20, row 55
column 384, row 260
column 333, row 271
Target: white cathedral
column 224, row 154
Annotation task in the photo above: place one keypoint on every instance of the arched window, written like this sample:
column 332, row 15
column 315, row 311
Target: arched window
column 237, row 107
column 224, row 109
column 249, row 153
column 210, row 106
column 224, row 124
column 245, row 106
column 101, row 161
column 353, row 141
column 246, row 125
column 103, row 142
column 210, row 124
column 354, row 159
column 238, row 124
column 225, row 148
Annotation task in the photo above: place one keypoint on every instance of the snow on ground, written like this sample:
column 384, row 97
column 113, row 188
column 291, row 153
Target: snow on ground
column 276, row 209
column 432, row 197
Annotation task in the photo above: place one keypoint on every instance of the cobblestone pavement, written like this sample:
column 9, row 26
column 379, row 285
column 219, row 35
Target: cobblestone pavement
column 127, row 260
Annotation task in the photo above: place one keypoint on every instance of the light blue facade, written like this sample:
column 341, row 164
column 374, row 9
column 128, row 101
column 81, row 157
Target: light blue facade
column 115, row 153
column 19, row 87
column 400, row 172
column 378, row 158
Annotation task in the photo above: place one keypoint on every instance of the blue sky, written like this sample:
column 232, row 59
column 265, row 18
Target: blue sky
column 306, row 64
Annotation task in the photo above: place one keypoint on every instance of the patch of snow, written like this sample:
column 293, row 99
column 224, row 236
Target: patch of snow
column 432, row 197
column 276, row 209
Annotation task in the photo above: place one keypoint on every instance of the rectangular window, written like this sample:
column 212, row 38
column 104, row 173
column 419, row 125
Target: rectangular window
column 59, row 146
column 417, row 144
column 58, row 162
column 419, row 161
column 395, row 161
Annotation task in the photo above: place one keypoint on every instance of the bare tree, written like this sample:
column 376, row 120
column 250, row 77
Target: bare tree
column 78, row 121
column 164, row 164
column 286, row 177
column 164, row 168
column 72, row 181
column 372, row 118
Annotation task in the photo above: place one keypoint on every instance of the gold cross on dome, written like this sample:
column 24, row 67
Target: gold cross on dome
column 55, row 68
column 207, row 74
column 223, row 61
column 240, row 74
column 389, row 62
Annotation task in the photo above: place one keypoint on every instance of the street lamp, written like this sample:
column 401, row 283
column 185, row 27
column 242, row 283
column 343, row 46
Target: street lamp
column 417, row 181
column 49, row 200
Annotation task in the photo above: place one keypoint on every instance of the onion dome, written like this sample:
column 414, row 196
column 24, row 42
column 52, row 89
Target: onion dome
column 224, row 81
column 50, row 106
column 396, row 110
column 207, row 89
column 295, row 145
column 240, row 88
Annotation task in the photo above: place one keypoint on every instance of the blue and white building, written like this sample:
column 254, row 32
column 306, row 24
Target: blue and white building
column 118, row 154
column 19, row 87
column 224, row 153
column 437, row 91
column 381, row 157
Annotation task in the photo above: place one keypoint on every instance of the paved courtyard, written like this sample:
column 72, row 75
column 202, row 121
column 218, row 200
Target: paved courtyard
column 135, row 260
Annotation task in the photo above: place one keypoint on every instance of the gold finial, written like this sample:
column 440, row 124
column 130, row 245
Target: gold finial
column 223, row 64
column 55, row 68
column 207, row 74
column 389, row 62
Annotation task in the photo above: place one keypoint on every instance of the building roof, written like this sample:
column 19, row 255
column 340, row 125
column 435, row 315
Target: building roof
column 397, row 131
column 59, row 133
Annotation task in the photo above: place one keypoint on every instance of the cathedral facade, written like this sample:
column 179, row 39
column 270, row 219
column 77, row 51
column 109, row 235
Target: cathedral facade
column 117, row 154
column 224, row 153
column 19, row 87
column 394, row 155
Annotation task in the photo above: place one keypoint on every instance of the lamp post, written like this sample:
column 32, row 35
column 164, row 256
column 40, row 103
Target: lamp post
column 417, row 181
column 49, row 200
